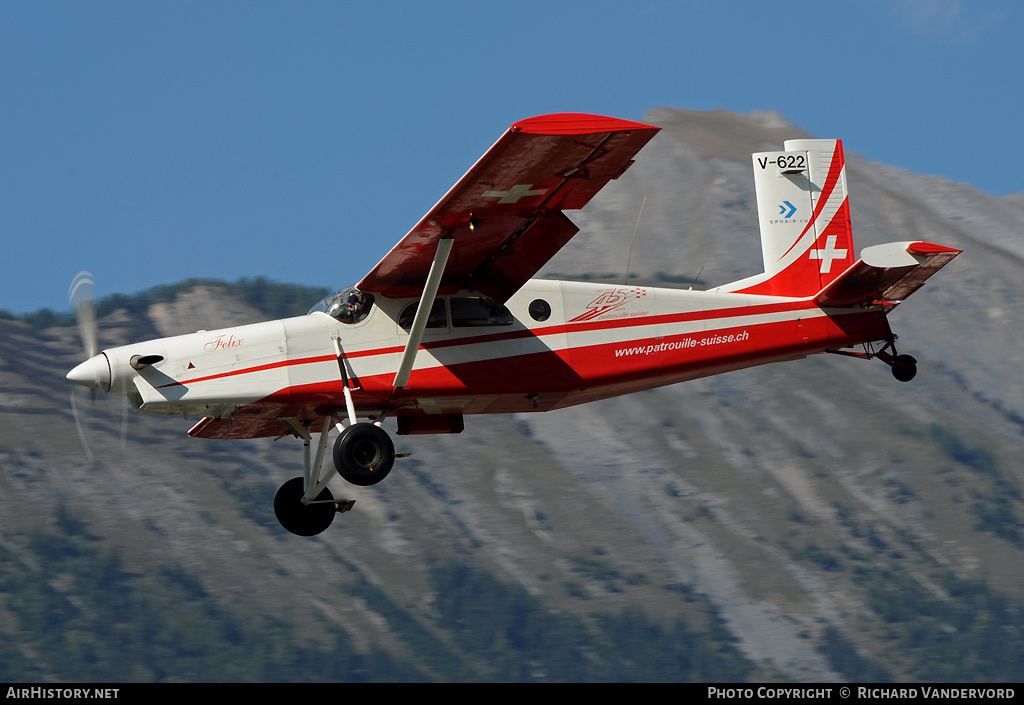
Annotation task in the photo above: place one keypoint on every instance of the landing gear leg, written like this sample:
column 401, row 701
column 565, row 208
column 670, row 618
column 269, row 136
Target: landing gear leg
column 299, row 518
column 303, row 505
column 904, row 367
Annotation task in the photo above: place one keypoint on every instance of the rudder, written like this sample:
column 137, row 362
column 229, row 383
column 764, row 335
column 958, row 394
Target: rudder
column 804, row 215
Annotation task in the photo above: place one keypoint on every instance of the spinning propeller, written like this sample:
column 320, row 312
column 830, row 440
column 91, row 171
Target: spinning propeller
column 94, row 372
column 81, row 297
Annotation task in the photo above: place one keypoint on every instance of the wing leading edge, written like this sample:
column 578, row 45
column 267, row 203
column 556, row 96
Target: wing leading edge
column 505, row 215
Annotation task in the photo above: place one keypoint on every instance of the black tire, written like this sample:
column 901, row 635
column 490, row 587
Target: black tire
column 302, row 519
column 904, row 368
column 364, row 454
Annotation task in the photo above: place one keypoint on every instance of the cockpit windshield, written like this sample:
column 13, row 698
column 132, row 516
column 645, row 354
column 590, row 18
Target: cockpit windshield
column 347, row 306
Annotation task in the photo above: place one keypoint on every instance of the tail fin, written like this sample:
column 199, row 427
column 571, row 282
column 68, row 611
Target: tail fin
column 804, row 213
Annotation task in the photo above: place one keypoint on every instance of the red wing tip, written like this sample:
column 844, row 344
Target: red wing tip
column 924, row 248
column 576, row 124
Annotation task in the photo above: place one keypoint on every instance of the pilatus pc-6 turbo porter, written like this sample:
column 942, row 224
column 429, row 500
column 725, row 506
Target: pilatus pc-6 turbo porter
column 450, row 322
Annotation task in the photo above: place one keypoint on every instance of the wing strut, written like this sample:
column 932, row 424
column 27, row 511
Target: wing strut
column 419, row 324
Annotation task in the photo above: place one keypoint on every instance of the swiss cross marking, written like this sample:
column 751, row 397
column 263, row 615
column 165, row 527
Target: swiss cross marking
column 515, row 193
column 828, row 254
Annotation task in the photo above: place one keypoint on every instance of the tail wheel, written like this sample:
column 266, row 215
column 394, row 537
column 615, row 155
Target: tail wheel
column 303, row 519
column 364, row 454
column 904, row 368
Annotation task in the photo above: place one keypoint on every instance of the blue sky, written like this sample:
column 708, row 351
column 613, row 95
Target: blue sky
column 150, row 142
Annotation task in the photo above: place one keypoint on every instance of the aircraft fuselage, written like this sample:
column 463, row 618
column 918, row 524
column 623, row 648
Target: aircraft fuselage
column 564, row 343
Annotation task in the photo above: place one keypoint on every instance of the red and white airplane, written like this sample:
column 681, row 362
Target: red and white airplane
column 451, row 323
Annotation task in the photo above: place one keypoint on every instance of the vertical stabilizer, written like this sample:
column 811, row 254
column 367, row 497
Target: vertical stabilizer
column 804, row 214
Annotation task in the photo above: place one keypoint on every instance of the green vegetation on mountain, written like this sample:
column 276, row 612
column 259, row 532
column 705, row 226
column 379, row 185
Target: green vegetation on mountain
column 83, row 613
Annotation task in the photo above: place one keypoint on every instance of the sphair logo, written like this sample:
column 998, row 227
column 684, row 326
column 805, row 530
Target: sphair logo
column 787, row 214
column 608, row 301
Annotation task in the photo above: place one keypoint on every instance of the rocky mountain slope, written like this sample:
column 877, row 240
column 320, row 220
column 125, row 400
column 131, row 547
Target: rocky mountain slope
column 806, row 521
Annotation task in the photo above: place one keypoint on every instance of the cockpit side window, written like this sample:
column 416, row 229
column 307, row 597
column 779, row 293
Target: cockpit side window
column 473, row 311
column 438, row 317
column 346, row 306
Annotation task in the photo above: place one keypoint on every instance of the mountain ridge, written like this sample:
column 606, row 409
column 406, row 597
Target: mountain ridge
column 806, row 521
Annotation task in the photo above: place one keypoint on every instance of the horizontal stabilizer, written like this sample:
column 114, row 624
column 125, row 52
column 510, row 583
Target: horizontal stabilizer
column 889, row 272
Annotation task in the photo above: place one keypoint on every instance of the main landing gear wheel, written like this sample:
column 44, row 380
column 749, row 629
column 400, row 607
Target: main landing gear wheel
column 364, row 454
column 904, row 367
column 303, row 519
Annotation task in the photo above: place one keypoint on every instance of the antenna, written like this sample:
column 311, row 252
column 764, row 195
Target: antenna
column 696, row 277
column 635, row 229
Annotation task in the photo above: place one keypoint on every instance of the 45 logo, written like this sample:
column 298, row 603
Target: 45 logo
column 609, row 300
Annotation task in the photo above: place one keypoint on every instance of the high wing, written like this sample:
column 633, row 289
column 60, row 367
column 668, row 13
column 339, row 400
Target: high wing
column 505, row 215
column 886, row 273
column 492, row 231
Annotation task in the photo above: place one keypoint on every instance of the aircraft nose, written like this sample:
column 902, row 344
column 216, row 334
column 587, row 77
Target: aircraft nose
column 94, row 373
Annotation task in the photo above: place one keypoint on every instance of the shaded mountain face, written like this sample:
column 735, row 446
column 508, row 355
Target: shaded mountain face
column 813, row 520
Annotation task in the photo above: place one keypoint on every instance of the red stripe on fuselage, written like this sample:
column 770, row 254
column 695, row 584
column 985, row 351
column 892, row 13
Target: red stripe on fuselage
column 574, row 352
column 553, row 379
column 257, row 368
column 586, row 326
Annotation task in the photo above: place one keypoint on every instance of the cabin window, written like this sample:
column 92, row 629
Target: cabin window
column 476, row 311
column 438, row 315
column 540, row 310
